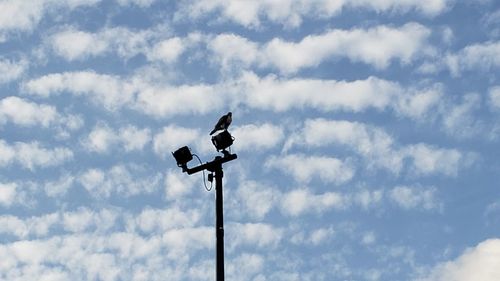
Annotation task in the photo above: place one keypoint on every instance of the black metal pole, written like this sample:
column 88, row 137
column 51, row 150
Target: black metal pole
column 219, row 223
column 216, row 167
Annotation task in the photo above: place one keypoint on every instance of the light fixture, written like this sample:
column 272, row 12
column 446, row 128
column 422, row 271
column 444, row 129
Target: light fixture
column 182, row 156
column 223, row 140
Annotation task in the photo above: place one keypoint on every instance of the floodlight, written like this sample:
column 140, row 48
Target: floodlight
column 222, row 140
column 182, row 156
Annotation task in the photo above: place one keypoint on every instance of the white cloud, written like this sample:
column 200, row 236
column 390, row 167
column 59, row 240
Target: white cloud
column 233, row 50
column 300, row 201
column 166, row 101
column 291, row 12
column 253, row 200
column 134, row 138
column 167, row 50
column 257, row 137
column 140, row 3
column 105, row 90
column 428, row 159
column 494, row 97
column 103, row 139
column 100, row 139
column 8, row 192
column 368, row 198
column 157, row 221
column 120, row 179
column 477, row 263
column 173, row 137
column 178, row 184
column 32, row 155
column 460, row 120
column 414, row 197
column 59, row 187
column 11, row 70
column 74, row 44
column 386, row 44
column 480, row 56
column 374, row 144
column 321, row 235
column 253, row 234
column 160, row 100
column 271, row 93
column 419, row 103
column 245, row 267
column 31, row 226
column 379, row 149
column 26, row 113
column 28, row 13
column 305, row 168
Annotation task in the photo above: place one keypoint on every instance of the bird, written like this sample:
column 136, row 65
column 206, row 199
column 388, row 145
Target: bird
column 223, row 123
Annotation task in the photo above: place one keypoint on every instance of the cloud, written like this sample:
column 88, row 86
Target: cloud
column 167, row 101
column 8, row 192
column 140, row 3
column 494, row 97
column 158, row 221
column 173, row 137
column 231, row 50
column 386, row 44
column 460, row 119
column 291, row 13
column 271, row 93
column 477, row 263
column 480, row 56
column 11, row 70
column 178, row 185
column 372, row 143
column 428, row 159
column 414, row 197
column 168, row 50
column 106, row 90
column 259, row 235
column 60, row 186
column 257, row 137
column 379, row 149
column 305, row 168
column 32, row 155
column 29, row 14
column 26, row 113
column 161, row 100
column 253, row 200
column 29, row 227
column 103, row 139
column 73, row 44
column 124, row 180
column 246, row 267
column 300, row 201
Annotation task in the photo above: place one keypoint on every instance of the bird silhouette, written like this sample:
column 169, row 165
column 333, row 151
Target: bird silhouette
column 223, row 123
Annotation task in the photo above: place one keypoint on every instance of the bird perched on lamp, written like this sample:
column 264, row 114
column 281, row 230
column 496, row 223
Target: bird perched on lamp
column 223, row 123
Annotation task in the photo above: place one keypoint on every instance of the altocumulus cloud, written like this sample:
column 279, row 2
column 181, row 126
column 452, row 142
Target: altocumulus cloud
column 360, row 127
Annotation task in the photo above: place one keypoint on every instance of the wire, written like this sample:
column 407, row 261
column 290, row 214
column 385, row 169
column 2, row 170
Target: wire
column 203, row 171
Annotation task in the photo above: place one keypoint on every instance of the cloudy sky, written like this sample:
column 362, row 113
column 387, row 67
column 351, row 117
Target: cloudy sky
column 367, row 134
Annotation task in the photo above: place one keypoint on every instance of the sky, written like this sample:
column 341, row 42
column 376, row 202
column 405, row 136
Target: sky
column 367, row 135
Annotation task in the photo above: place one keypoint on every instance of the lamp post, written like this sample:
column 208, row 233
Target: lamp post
column 183, row 155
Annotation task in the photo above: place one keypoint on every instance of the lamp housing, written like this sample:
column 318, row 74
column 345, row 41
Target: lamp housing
column 182, row 155
column 223, row 140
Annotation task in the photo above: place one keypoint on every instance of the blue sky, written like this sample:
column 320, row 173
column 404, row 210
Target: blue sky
column 367, row 135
